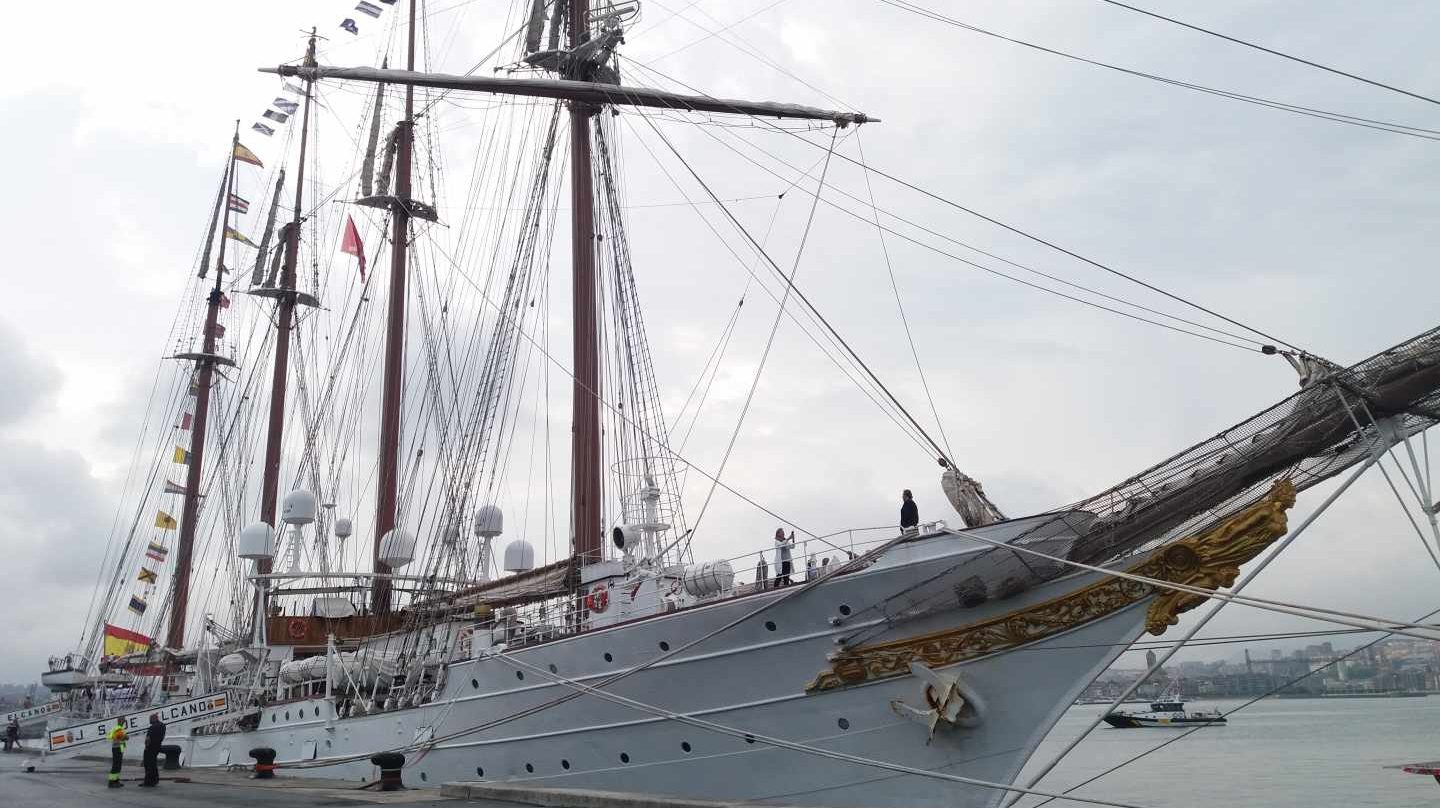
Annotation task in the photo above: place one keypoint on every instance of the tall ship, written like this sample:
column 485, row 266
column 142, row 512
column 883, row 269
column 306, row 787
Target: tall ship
column 406, row 483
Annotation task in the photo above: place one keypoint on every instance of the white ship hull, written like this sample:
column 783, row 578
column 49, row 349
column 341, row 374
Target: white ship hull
column 752, row 678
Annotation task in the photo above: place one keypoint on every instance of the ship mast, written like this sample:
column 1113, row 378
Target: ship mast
column 205, row 363
column 587, row 93
column 284, row 321
column 585, row 485
column 389, row 476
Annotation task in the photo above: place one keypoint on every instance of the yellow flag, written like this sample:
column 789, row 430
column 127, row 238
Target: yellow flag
column 165, row 520
column 244, row 155
column 231, row 232
column 181, row 456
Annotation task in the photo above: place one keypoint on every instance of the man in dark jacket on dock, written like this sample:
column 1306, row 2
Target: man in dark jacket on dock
column 154, row 737
column 909, row 512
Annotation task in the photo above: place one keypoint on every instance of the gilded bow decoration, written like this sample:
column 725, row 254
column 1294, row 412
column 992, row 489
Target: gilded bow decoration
column 1210, row 560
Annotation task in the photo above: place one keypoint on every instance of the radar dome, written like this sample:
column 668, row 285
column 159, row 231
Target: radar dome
column 519, row 556
column 256, row 542
column 397, row 548
column 298, row 508
column 344, row 528
column 489, row 522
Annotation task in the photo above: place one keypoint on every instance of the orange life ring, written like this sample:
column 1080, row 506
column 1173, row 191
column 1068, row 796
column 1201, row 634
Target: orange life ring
column 296, row 628
column 597, row 599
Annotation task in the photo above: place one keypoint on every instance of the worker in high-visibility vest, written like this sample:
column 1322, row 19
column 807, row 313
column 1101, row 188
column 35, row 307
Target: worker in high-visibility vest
column 117, row 738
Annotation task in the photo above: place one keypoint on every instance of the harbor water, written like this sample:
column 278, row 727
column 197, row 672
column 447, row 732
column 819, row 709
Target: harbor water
column 1276, row 753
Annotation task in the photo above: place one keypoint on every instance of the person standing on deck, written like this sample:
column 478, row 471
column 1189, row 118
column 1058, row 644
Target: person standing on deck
column 12, row 736
column 154, row 737
column 782, row 557
column 762, row 572
column 117, row 738
column 909, row 512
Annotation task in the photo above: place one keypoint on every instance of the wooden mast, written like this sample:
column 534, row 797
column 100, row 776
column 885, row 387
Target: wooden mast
column 205, row 365
column 585, row 485
column 389, row 476
column 284, row 320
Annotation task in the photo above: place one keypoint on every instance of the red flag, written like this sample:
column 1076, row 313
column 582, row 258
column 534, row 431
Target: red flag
column 224, row 301
column 352, row 245
column 184, row 422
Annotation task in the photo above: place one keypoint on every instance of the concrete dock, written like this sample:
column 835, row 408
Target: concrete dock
column 80, row 783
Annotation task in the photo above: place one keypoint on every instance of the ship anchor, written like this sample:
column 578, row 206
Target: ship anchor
column 948, row 699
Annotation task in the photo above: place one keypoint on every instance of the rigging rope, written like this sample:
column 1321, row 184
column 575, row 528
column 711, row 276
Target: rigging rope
column 1273, row 52
column 830, row 330
column 1272, row 691
column 1016, row 230
column 895, row 288
column 770, row 341
column 1309, row 112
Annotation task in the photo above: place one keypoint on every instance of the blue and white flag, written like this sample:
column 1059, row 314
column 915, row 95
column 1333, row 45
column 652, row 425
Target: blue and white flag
column 368, row 8
column 277, row 117
column 262, row 129
column 285, row 105
column 349, row 25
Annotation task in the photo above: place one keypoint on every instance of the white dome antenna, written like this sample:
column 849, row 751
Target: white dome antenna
column 519, row 556
column 256, row 542
column 298, row 508
column 397, row 548
column 489, row 522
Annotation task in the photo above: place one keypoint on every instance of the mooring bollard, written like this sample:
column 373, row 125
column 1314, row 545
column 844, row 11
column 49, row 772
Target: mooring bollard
column 390, row 764
column 264, row 762
column 172, row 756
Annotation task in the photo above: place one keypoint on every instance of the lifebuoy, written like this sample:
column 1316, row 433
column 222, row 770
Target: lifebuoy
column 597, row 599
column 296, row 628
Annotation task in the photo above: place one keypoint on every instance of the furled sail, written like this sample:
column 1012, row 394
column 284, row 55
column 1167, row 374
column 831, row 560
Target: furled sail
column 258, row 274
column 968, row 497
column 214, row 222
column 367, row 163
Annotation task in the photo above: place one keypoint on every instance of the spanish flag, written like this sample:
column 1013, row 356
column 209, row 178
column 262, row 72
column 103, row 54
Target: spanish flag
column 164, row 520
column 244, row 155
column 181, row 456
column 119, row 641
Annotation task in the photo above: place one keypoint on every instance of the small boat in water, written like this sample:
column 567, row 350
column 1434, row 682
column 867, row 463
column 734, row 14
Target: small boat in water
column 1162, row 714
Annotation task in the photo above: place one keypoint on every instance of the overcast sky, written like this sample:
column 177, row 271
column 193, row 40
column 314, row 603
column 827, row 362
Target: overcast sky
column 1319, row 233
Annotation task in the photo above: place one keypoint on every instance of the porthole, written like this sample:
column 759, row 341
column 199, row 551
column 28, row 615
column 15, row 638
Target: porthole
column 530, row 768
column 769, row 625
column 565, row 764
column 624, row 757
column 749, row 738
column 554, row 669
column 685, row 745
column 844, row 609
column 287, row 715
column 519, row 674
column 664, row 646
column 479, row 772
column 424, row 776
column 272, row 718
column 609, row 658
column 475, row 683
column 844, row 723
